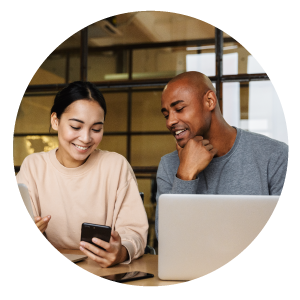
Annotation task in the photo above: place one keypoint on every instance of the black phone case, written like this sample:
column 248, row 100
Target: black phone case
column 89, row 231
column 120, row 277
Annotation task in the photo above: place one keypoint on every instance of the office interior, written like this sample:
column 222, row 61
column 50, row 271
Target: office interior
column 131, row 57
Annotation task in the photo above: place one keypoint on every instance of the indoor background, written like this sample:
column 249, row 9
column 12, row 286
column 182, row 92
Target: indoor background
column 130, row 58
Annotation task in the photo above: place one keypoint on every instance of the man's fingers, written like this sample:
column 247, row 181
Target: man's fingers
column 92, row 248
column 205, row 142
column 209, row 147
column 198, row 138
column 178, row 148
column 214, row 151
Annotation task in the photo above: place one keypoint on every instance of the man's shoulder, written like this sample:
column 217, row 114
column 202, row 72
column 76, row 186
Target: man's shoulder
column 264, row 143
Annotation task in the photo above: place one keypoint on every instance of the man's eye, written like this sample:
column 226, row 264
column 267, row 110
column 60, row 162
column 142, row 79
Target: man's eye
column 75, row 128
column 179, row 109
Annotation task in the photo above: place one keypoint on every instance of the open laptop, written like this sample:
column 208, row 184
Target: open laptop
column 26, row 198
column 198, row 234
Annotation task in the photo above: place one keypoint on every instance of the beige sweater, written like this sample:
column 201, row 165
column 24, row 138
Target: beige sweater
column 101, row 191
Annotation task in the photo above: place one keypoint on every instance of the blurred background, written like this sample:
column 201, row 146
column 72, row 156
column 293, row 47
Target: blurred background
column 130, row 58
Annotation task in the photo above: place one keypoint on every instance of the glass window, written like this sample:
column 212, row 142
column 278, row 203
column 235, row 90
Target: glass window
column 159, row 63
column 231, row 103
column 146, row 115
column 114, row 143
column 51, row 71
column 74, row 69
column 274, row 110
column 147, row 150
column 205, row 62
column 34, row 114
column 254, row 106
column 273, row 64
column 109, row 65
column 23, row 146
column 116, row 117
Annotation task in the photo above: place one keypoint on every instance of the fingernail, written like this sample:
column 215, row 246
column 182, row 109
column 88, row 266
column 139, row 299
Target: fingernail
column 94, row 240
column 82, row 244
column 81, row 248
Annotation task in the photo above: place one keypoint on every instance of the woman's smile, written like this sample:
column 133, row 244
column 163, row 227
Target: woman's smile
column 81, row 149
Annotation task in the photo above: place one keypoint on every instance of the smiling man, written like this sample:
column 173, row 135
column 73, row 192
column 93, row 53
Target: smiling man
column 213, row 157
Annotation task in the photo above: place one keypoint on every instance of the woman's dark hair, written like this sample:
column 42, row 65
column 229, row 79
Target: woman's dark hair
column 77, row 90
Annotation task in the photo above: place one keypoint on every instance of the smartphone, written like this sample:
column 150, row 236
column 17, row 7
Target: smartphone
column 129, row 276
column 89, row 231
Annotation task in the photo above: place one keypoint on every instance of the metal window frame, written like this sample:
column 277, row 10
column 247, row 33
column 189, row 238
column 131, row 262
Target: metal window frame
column 132, row 85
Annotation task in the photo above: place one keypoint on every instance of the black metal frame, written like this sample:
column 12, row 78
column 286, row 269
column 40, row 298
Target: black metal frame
column 132, row 85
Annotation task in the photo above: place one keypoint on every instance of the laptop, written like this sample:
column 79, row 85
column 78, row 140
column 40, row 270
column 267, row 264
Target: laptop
column 198, row 234
column 26, row 198
column 75, row 257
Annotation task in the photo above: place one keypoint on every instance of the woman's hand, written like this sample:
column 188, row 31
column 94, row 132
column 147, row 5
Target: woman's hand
column 115, row 252
column 42, row 223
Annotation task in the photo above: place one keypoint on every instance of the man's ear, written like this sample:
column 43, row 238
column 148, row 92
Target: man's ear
column 54, row 121
column 211, row 100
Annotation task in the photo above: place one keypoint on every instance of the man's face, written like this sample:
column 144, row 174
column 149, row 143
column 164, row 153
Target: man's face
column 184, row 111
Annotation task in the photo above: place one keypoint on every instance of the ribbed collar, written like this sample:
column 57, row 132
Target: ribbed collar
column 90, row 162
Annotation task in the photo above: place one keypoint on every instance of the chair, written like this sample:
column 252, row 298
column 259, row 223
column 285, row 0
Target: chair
column 148, row 249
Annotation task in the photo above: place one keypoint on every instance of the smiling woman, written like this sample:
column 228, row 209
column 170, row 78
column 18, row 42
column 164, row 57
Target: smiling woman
column 77, row 183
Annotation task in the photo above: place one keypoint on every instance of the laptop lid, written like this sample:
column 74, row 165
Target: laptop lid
column 26, row 198
column 198, row 234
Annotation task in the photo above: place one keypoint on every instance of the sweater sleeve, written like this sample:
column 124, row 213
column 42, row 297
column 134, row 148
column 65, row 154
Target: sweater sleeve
column 168, row 183
column 277, row 171
column 132, row 223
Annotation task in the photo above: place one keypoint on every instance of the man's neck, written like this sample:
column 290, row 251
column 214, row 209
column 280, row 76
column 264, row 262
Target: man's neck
column 222, row 136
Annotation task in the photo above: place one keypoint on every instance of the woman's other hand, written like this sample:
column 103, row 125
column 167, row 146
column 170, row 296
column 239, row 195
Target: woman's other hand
column 113, row 254
column 42, row 223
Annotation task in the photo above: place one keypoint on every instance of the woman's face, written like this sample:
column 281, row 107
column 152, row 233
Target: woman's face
column 80, row 130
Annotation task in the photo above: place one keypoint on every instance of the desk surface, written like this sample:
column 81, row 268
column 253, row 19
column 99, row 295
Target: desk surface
column 149, row 264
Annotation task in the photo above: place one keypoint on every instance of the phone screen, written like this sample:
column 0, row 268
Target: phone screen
column 129, row 276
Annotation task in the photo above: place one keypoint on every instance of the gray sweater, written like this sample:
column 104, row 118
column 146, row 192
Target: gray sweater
column 255, row 165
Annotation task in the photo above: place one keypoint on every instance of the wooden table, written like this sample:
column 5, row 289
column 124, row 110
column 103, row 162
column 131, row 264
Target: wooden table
column 149, row 264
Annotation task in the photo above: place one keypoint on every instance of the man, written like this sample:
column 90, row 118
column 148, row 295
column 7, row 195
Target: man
column 213, row 157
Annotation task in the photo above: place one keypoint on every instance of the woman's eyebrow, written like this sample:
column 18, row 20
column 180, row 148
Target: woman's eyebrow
column 73, row 119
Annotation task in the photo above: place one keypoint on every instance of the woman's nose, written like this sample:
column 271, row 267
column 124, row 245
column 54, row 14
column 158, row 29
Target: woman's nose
column 85, row 136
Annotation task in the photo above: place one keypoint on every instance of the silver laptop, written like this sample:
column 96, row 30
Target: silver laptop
column 198, row 234
column 26, row 198
column 75, row 257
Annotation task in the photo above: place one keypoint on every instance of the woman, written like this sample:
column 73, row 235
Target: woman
column 78, row 183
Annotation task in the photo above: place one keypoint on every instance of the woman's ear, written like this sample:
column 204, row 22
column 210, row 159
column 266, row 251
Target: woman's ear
column 54, row 121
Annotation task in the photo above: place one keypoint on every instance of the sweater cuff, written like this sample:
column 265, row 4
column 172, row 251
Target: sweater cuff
column 185, row 186
column 130, row 249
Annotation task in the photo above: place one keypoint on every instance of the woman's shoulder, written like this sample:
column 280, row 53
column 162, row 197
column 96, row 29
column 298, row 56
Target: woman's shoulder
column 36, row 159
column 110, row 156
column 114, row 161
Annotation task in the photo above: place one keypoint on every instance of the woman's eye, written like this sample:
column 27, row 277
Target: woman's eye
column 96, row 130
column 76, row 128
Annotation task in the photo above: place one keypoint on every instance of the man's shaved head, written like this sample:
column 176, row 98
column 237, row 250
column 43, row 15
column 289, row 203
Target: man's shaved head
column 200, row 82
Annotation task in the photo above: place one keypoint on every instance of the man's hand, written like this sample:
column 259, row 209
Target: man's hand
column 194, row 157
column 113, row 254
column 42, row 223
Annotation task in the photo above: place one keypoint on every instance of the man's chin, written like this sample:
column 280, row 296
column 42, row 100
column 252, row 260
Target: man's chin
column 181, row 143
